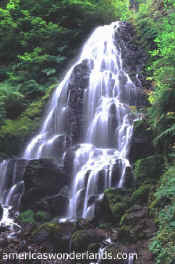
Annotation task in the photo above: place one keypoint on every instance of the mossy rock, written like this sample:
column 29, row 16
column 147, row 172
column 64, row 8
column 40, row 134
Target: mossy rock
column 56, row 234
column 50, row 227
column 149, row 169
column 42, row 216
column 94, row 247
column 27, row 217
column 141, row 194
column 82, row 239
column 135, row 225
column 118, row 201
column 133, row 215
column 130, row 234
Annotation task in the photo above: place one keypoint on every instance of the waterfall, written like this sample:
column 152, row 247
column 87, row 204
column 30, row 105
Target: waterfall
column 91, row 111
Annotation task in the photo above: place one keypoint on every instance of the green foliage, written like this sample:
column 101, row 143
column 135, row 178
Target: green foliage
column 149, row 169
column 118, row 201
column 162, row 244
column 167, row 187
column 11, row 101
column 141, row 194
column 154, row 21
column 41, row 216
column 14, row 132
column 27, row 217
column 38, row 38
column 30, row 216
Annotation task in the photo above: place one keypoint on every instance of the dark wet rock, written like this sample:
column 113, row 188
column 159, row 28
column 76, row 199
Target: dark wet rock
column 55, row 205
column 69, row 158
column 27, row 228
column 142, row 145
column 1, row 211
column 129, row 180
column 83, row 238
column 76, row 92
column 84, row 224
column 3, row 242
column 56, row 234
column 41, row 236
column 19, row 169
column 136, row 225
column 94, row 247
column 134, row 58
column 42, row 178
column 102, row 212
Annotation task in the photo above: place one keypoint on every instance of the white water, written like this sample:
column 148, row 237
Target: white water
column 108, row 125
column 10, row 193
column 131, row 259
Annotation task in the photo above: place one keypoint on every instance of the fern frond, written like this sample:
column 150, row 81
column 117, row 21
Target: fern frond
column 167, row 132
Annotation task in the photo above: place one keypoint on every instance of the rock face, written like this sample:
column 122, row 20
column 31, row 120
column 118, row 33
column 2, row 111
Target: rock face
column 76, row 92
column 56, row 204
column 43, row 180
column 142, row 145
column 1, row 212
column 83, row 238
column 134, row 58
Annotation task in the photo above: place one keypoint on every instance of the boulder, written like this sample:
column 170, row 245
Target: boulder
column 118, row 201
column 55, row 205
column 57, row 235
column 136, row 225
column 41, row 178
column 142, row 145
column 82, row 239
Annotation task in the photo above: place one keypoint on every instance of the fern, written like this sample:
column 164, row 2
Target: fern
column 167, row 132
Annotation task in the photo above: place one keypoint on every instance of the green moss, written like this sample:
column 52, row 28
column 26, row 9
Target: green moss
column 162, row 244
column 123, row 218
column 94, row 247
column 27, row 217
column 141, row 194
column 42, row 216
column 118, row 209
column 30, row 216
column 81, row 240
column 118, row 201
column 149, row 168
column 105, row 225
column 155, row 203
column 52, row 228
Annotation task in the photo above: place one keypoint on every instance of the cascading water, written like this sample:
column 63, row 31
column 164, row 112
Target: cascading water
column 11, row 190
column 109, row 123
column 100, row 126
